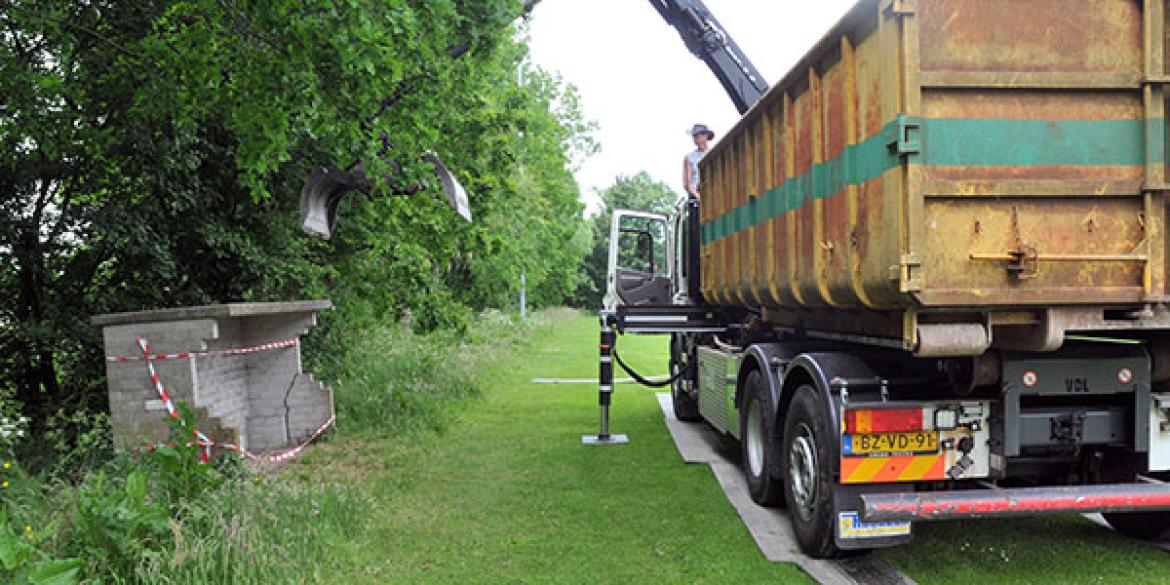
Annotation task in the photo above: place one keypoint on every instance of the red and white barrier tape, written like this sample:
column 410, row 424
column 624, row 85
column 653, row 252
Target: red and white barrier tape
column 201, row 354
column 201, row 439
column 270, row 458
column 278, row 457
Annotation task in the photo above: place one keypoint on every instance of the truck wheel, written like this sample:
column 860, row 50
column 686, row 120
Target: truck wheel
column 1143, row 525
column 683, row 390
column 757, row 441
column 808, row 486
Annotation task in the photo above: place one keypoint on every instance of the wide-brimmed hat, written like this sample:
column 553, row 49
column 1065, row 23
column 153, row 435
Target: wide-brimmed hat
column 702, row 128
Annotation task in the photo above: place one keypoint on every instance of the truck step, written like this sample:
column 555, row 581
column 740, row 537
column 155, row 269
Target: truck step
column 668, row 319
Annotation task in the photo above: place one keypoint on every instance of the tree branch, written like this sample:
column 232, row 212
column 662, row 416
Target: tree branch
column 72, row 25
column 247, row 29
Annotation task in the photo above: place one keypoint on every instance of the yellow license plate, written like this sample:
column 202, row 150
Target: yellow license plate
column 917, row 442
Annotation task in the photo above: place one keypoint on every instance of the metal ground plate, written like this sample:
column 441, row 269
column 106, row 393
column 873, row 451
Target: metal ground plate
column 697, row 443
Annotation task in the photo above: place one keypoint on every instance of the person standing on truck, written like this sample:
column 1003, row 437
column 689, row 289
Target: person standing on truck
column 702, row 135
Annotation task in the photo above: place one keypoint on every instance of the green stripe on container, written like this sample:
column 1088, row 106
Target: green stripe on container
column 1156, row 141
column 857, row 164
column 961, row 142
column 983, row 142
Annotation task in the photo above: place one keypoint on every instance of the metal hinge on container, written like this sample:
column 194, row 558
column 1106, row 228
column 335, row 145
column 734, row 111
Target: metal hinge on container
column 910, row 273
column 899, row 7
column 906, row 139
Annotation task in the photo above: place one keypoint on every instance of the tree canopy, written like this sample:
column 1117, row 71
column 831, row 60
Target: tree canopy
column 152, row 154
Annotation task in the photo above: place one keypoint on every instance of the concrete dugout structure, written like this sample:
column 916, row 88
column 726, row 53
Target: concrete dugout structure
column 259, row 400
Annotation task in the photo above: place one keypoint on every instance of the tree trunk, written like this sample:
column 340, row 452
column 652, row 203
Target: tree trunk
column 39, row 387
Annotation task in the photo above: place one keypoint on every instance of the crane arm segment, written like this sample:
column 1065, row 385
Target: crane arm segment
column 710, row 42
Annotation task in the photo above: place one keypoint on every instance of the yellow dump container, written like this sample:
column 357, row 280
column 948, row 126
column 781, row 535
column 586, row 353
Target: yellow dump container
column 996, row 164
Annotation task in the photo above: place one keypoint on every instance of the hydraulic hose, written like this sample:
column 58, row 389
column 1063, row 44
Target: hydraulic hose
column 639, row 378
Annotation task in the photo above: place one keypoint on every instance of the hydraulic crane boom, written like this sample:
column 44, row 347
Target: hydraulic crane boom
column 707, row 40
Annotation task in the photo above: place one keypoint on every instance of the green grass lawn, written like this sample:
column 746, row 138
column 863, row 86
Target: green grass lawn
column 1052, row 549
column 509, row 494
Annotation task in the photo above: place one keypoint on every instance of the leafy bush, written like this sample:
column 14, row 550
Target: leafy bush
column 22, row 562
column 12, row 431
column 117, row 525
column 13, row 424
column 71, row 443
column 180, row 474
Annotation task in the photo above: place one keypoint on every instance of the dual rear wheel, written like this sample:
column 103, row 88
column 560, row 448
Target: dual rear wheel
column 790, row 468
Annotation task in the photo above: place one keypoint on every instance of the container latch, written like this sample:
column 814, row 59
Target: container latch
column 1024, row 262
column 906, row 140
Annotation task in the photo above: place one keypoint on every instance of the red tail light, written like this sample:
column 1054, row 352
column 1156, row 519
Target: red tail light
column 884, row 420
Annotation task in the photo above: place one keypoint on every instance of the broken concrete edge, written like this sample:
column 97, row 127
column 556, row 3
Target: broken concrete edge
column 211, row 312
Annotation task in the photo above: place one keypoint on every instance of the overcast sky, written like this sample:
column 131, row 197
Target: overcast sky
column 643, row 87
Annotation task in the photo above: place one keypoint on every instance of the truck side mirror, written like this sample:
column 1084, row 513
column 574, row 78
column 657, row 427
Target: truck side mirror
column 640, row 253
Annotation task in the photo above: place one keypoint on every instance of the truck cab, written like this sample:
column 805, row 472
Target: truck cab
column 653, row 258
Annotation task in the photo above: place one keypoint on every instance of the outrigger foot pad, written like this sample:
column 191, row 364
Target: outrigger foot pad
column 605, row 440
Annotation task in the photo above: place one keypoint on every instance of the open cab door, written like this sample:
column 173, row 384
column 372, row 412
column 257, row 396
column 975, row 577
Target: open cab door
column 640, row 260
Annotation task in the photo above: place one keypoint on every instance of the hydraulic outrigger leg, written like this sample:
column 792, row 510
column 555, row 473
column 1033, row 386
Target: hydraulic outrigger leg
column 605, row 386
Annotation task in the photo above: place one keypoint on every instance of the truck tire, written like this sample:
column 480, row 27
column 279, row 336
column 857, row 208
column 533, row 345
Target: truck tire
column 1143, row 525
column 684, row 390
column 759, row 450
column 808, row 485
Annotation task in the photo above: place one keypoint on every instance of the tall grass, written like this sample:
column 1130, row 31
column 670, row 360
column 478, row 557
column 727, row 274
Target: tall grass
column 394, row 382
column 251, row 528
column 261, row 531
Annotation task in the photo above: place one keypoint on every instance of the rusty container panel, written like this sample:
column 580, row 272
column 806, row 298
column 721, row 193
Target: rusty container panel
column 1034, row 152
column 949, row 157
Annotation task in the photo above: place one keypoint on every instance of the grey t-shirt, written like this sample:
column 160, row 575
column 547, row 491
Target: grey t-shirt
column 693, row 159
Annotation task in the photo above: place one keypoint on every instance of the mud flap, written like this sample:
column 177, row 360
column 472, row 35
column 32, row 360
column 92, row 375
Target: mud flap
column 851, row 532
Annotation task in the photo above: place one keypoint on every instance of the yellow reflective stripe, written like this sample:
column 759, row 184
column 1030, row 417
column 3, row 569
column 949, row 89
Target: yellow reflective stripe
column 918, row 468
column 866, row 470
